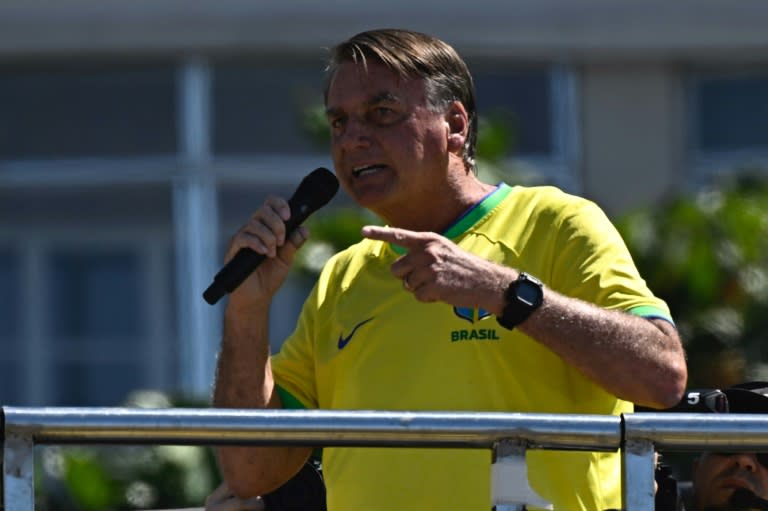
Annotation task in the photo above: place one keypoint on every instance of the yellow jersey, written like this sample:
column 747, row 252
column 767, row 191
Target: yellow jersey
column 363, row 342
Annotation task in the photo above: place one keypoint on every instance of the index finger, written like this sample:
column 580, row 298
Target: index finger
column 402, row 237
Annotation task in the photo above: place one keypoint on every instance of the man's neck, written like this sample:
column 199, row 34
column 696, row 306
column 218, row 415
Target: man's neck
column 442, row 208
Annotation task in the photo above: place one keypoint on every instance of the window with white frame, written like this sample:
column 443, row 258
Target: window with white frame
column 10, row 326
column 96, row 323
column 90, row 319
column 55, row 111
column 728, row 116
column 91, row 273
column 538, row 103
column 260, row 106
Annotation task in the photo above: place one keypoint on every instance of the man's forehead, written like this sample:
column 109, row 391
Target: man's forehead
column 369, row 69
column 373, row 81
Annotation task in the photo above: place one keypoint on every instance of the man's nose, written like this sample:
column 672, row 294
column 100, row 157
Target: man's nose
column 356, row 134
column 746, row 460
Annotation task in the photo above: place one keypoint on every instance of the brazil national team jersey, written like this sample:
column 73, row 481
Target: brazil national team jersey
column 363, row 342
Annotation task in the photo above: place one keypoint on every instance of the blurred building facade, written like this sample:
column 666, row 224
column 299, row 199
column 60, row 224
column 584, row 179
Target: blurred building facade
column 136, row 136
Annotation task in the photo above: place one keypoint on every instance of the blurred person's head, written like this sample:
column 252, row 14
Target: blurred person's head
column 717, row 475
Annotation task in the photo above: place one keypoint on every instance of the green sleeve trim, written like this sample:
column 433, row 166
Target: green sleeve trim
column 289, row 401
column 649, row 311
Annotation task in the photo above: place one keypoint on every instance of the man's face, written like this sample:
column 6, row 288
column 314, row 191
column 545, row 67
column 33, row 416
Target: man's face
column 389, row 148
column 716, row 476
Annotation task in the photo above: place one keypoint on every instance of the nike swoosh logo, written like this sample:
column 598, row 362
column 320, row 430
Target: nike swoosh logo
column 343, row 341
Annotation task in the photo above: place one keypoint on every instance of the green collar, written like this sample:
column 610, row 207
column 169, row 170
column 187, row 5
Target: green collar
column 472, row 215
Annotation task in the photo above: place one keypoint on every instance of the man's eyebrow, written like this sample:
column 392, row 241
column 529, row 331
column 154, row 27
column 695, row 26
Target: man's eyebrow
column 332, row 111
column 381, row 97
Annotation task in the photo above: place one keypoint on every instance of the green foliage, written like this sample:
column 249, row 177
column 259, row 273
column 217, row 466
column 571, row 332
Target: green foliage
column 315, row 126
column 707, row 256
column 496, row 142
column 331, row 230
column 105, row 478
column 89, row 481
column 497, row 136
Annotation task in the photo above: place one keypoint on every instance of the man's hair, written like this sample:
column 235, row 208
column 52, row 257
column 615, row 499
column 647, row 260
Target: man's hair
column 415, row 55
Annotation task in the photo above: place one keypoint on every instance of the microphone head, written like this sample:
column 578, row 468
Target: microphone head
column 742, row 498
column 316, row 189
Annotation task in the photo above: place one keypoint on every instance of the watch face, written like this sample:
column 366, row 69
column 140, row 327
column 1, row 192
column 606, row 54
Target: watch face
column 528, row 293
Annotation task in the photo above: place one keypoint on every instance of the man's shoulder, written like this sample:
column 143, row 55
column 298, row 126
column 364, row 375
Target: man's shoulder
column 356, row 255
column 547, row 194
column 547, row 200
column 363, row 248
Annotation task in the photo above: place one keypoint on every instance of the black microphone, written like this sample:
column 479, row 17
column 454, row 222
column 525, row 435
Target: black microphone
column 314, row 192
column 742, row 498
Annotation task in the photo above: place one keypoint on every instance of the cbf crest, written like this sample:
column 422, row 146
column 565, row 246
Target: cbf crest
column 471, row 314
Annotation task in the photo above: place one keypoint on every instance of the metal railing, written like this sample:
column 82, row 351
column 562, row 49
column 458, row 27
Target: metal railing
column 636, row 436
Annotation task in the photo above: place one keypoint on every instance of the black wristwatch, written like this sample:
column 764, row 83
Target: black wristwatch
column 522, row 297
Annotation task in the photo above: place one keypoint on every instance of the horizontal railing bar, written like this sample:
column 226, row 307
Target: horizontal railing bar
column 673, row 431
column 699, row 431
column 312, row 427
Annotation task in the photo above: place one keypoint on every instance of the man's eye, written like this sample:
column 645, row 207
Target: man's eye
column 336, row 123
column 383, row 114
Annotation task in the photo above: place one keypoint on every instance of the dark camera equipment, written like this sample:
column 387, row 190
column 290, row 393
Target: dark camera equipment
column 667, row 496
column 697, row 401
column 304, row 492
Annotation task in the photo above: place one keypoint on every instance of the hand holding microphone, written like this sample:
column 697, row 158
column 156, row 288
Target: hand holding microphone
column 314, row 191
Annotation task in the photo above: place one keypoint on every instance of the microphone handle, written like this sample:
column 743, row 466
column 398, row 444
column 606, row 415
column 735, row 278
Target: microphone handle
column 759, row 503
column 246, row 260
column 746, row 499
column 237, row 270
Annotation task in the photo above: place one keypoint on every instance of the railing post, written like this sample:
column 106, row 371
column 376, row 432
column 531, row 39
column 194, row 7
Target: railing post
column 18, row 473
column 510, row 490
column 637, row 469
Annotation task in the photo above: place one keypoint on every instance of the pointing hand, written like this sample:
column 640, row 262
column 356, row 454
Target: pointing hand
column 436, row 269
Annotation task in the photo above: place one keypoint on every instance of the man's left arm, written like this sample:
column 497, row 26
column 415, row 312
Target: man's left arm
column 637, row 359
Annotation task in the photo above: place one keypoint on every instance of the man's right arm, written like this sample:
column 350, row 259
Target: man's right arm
column 244, row 380
column 243, row 374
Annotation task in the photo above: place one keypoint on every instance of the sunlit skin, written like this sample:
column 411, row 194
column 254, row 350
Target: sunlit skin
column 717, row 476
column 396, row 156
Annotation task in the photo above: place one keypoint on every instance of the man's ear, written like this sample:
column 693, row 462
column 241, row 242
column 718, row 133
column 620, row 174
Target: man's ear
column 458, row 126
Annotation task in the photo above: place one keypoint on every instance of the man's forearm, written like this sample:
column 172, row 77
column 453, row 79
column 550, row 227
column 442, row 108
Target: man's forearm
column 243, row 373
column 636, row 359
column 244, row 380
